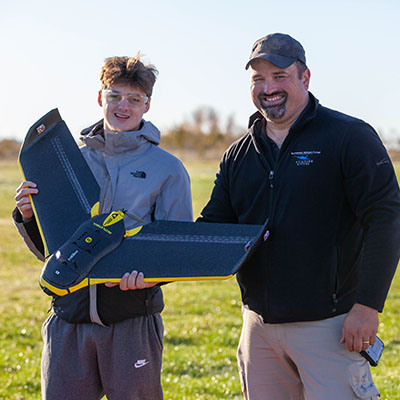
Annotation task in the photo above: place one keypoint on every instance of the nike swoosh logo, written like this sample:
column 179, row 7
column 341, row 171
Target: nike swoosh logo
column 141, row 363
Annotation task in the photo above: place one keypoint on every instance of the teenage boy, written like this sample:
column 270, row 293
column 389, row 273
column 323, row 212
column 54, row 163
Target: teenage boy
column 108, row 339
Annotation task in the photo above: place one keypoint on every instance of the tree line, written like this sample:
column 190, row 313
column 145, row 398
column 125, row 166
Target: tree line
column 203, row 133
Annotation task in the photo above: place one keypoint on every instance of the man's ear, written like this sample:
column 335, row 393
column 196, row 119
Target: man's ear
column 99, row 99
column 147, row 106
column 306, row 78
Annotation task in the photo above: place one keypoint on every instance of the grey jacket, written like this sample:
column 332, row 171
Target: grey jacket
column 137, row 175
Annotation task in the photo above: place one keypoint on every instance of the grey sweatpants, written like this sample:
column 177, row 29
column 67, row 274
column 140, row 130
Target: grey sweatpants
column 86, row 361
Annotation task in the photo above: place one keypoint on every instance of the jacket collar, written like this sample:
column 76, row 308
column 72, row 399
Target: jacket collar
column 119, row 142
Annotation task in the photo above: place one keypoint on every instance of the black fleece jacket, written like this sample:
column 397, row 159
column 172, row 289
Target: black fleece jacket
column 334, row 207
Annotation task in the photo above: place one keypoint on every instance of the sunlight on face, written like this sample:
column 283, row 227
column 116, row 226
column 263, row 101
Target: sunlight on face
column 126, row 114
column 279, row 94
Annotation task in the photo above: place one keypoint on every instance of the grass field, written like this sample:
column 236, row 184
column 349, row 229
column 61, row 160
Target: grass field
column 202, row 319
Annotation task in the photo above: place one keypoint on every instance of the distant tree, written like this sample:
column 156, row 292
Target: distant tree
column 9, row 148
column 202, row 133
column 199, row 118
column 230, row 125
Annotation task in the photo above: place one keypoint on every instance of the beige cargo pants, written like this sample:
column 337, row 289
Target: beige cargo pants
column 300, row 361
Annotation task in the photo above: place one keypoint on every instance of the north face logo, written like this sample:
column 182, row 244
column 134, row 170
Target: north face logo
column 139, row 174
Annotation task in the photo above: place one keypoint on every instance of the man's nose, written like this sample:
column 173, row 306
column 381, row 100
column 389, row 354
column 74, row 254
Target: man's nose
column 269, row 86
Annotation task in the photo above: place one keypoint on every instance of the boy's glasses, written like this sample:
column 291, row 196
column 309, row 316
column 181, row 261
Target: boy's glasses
column 133, row 99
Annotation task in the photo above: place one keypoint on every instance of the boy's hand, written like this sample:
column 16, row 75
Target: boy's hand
column 23, row 202
column 132, row 281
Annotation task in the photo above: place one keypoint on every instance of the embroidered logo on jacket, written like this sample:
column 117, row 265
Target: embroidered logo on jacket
column 304, row 157
column 139, row 174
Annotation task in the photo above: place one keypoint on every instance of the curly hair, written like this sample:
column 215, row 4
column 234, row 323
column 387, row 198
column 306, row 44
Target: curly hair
column 130, row 71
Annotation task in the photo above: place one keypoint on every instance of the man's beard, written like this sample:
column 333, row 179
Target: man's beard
column 272, row 113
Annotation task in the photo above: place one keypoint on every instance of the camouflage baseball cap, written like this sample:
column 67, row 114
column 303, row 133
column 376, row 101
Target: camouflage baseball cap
column 279, row 49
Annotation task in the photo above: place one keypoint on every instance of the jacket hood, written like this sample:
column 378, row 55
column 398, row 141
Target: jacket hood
column 119, row 142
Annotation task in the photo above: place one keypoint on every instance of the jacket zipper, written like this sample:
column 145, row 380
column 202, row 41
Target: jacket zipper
column 335, row 301
column 284, row 148
column 269, row 217
column 271, row 186
column 336, row 288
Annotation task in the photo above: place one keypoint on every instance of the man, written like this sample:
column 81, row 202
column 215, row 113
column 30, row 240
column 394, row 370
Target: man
column 107, row 339
column 312, row 293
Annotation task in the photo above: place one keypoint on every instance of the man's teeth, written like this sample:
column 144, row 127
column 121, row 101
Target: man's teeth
column 276, row 98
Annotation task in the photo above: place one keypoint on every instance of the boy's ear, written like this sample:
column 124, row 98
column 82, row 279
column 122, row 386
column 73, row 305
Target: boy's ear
column 147, row 105
column 99, row 99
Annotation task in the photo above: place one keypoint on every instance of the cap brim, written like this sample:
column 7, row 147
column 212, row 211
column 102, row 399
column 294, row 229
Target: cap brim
column 279, row 61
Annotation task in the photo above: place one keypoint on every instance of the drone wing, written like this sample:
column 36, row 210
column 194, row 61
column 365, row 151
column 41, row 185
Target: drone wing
column 163, row 250
column 178, row 251
column 50, row 157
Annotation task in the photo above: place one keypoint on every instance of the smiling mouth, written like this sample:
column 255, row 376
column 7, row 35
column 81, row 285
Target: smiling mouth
column 123, row 116
column 272, row 100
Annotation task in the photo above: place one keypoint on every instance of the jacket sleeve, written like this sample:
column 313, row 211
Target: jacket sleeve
column 175, row 200
column 219, row 208
column 30, row 234
column 372, row 191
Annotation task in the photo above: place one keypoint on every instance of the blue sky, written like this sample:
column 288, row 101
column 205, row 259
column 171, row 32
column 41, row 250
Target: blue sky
column 51, row 53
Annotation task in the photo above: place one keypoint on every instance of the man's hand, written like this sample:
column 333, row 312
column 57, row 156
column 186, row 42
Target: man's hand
column 360, row 327
column 132, row 281
column 22, row 199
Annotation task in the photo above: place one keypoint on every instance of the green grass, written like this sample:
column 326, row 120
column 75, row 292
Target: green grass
column 202, row 319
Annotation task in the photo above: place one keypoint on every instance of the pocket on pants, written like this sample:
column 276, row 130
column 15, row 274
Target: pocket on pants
column 361, row 382
column 158, row 328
